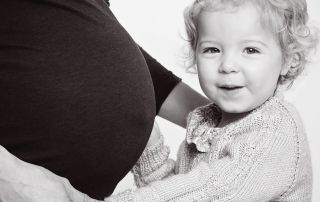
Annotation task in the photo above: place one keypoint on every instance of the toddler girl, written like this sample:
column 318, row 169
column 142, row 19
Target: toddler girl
column 249, row 144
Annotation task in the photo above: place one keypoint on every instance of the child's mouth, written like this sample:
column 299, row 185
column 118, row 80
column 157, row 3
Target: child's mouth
column 230, row 88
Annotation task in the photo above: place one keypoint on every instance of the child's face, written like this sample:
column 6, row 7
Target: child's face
column 239, row 62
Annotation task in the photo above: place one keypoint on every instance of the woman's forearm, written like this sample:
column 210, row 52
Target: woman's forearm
column 182, row 100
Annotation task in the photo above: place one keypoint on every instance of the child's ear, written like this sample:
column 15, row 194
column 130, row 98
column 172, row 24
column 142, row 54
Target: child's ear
column 292, row 61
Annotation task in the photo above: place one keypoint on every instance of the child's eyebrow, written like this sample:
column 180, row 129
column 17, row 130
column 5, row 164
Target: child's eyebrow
column 255, row 41
column 208, row 42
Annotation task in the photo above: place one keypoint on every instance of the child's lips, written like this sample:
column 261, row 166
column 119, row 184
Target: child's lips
column 230, row 87
column 231, row 90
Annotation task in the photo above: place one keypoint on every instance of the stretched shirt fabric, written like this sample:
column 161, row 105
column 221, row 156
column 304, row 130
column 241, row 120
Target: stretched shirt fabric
column 70, row 77
column 262, row 157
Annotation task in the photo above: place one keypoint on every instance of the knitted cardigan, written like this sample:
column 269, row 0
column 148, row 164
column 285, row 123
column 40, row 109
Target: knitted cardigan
column 262, row 157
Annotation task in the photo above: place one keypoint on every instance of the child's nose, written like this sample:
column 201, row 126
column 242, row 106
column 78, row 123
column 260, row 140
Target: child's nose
column 228, row 64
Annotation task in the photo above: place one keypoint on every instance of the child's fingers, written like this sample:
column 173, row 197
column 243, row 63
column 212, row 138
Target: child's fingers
column 155, row 134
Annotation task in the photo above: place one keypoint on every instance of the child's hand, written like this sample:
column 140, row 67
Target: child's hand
column 155, row 135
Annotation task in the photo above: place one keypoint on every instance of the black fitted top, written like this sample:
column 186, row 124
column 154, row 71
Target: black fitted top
column 76, row 93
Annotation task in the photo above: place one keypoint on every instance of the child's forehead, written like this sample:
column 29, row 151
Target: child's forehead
column 235, row 26
column 248, row 12
column 265, row 17
column 245, row 21
column 229, row 5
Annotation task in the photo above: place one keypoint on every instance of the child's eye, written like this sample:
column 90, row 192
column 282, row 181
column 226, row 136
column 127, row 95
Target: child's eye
column 251, row 50
column 211, row 50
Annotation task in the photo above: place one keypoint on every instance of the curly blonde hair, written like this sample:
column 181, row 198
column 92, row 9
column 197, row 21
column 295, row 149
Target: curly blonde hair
column 286, row 18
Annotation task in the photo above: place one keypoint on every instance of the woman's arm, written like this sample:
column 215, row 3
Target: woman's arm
column 174, row 98
column 182, row 100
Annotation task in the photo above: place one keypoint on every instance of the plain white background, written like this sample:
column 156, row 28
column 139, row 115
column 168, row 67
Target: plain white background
column 158, row 27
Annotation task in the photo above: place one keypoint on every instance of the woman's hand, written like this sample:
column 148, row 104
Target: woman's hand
column 155, row 135
column 24, row 182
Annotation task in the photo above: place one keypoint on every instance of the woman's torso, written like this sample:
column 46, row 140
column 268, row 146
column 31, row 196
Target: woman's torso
column 75, row 93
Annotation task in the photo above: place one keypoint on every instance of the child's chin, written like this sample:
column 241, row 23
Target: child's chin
column 235, row 110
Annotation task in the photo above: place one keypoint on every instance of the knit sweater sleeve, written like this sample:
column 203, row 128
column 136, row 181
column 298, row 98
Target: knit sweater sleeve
column 259, row 166
column 154, row 164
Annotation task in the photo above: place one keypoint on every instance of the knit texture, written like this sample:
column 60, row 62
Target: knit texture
column 262, row 157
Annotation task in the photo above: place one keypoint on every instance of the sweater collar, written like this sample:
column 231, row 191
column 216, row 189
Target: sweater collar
column 203, row 121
